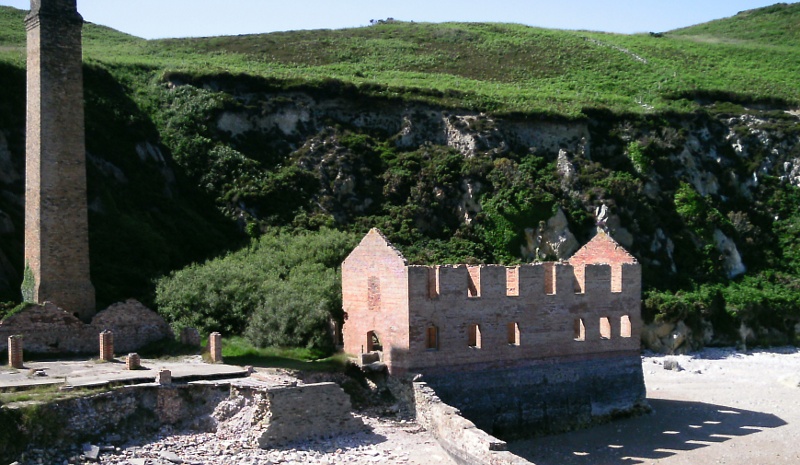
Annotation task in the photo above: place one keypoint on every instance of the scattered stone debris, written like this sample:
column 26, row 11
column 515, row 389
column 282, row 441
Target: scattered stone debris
column 234, row 445
column 672, row 365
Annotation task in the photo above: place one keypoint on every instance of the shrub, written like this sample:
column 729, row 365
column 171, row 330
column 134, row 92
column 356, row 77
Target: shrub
column 283, row 289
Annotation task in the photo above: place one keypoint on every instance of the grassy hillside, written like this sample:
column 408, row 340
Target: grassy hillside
column 505, row 68
column 777, row 25
column 501, row 68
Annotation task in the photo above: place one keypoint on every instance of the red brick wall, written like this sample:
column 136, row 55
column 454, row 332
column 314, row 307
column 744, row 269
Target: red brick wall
column 375, row 298
column 544, row 301
column 15, row 352
column 602, row 249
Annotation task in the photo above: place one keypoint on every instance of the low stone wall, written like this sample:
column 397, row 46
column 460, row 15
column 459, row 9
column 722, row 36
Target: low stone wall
column 142, row 408
column 49, row 329
column 462, row 440
column 292, row 414
column 545, row 397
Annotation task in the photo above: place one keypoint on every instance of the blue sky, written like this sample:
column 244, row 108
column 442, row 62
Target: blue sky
column 184, row 18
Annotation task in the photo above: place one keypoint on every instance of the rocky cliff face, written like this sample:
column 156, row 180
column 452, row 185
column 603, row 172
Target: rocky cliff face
column 631, row 167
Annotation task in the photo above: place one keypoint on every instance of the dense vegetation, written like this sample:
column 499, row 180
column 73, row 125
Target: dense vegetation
column 170, row 187
column 284, row 289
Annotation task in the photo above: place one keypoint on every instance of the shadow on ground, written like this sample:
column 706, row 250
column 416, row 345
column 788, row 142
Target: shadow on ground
column 672, row 428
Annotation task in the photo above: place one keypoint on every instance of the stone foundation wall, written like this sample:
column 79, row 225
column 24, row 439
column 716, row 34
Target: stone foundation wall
column 292, row 414
column 141, row 408
column 49, row 329
column 462, row 440
column 547, row 396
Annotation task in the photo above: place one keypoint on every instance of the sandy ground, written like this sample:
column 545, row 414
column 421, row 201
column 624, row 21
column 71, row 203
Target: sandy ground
column 722, row 407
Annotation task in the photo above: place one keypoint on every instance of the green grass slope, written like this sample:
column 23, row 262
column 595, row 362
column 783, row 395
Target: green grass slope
column 500, row 68
column 777, row 25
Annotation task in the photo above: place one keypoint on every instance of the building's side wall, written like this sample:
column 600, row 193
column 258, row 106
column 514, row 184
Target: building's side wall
column 545, row 396
column 545, row 322
column 375, row 298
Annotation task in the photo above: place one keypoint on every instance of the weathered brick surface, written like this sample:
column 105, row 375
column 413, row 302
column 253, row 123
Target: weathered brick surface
column 56, row 217
column 602, row 249
column 50, row 329
column 15, row 351
column 215, row 347
column 373, row 265
column 529, row 349
column 164, row 377
column 133, row 362
column 543, row 303
column 106, row 346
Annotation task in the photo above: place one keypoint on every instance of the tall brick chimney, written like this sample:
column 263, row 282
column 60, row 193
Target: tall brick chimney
column 56, row 217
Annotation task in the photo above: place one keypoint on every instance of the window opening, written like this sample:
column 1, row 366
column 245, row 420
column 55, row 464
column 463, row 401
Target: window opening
column 625, row 326
column 373, row 342
column 513, row 334
column 432, row 338
column 475, row 336
column 605, row 328
column 580, row 330
column 474, row 281
column 512, row 281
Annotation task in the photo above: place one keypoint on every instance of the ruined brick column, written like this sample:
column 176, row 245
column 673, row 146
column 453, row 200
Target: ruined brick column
column 15, row 351
column 107, row 346
column 215, row 347
column 56, row 217
column 163, row 377
column 133, row 362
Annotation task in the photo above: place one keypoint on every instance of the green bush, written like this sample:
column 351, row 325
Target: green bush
column 296, row 312
column 283, row 289
column 636, row 153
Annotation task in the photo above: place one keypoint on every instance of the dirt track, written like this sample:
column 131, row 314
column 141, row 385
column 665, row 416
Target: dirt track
column 722, row 407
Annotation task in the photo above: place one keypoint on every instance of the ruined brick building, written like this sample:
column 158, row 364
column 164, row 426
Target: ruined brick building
column 539, row 347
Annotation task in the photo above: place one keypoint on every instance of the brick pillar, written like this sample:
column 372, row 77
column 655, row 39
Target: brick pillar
column 107, row 346
column 56, row 213
column 164, row 377
column 15, row 351
column 215, row 347
column 133, row 362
